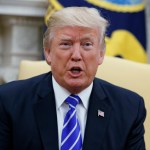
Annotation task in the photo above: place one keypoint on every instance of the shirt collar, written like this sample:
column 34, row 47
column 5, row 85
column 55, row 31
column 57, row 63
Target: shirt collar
column 61, row 94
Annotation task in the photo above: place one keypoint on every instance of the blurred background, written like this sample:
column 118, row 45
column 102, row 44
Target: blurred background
column 22, row 24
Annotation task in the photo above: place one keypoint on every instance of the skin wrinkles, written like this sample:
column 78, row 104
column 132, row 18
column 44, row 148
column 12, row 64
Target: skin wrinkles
column 74, row 56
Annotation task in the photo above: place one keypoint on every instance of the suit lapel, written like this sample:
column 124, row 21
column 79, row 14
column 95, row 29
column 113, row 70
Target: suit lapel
column 45, row 113
column 96, row 125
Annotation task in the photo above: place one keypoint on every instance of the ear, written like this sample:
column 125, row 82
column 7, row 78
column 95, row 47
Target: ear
column 101, row 57
column 47, row 55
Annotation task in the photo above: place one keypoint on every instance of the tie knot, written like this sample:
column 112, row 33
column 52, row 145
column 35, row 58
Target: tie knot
column 73, row 100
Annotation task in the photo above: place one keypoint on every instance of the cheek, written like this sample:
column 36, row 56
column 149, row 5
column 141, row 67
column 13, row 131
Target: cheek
column 58, row 61
column 55, row 56
column 95, row 59
column 91, row 63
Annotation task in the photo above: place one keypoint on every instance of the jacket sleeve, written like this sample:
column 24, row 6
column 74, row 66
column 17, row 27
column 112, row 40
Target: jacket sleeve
column 136, row 136
column 5, row 129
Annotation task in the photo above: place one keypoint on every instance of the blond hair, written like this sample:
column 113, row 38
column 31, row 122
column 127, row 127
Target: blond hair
column 75, row 16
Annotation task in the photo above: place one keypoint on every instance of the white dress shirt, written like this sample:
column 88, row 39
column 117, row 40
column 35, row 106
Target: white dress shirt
column 62, row 108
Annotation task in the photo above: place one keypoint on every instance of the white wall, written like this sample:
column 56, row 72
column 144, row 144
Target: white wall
column 21, row 23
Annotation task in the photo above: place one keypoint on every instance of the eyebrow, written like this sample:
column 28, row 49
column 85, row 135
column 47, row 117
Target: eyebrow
column 84, row 37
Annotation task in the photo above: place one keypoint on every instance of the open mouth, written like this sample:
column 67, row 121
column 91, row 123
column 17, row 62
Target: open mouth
column 76, row 70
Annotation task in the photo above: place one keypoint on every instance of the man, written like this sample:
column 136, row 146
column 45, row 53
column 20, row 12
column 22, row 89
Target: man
column 68, row 108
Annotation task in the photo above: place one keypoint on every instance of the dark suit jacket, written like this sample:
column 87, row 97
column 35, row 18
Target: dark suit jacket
column 28, row 118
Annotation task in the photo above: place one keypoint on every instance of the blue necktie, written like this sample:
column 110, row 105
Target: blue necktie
column 71, row 135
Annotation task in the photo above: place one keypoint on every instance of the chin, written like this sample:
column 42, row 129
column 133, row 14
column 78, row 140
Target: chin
column 75, row 82
column 76, row 86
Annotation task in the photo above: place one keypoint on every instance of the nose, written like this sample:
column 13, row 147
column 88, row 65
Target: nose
column 76, row 53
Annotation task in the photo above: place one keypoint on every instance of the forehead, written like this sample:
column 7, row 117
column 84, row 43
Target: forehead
column 76, row 32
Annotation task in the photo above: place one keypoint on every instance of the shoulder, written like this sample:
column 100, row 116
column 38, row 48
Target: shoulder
column 21, row 88
column 125, row 103
column 20, row 96
column 19, row 85
column 119, row 96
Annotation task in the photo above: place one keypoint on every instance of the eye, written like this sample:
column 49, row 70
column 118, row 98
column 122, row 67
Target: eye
column 87, row 45
column 65, row 45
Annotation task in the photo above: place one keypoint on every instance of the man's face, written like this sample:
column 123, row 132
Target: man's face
column 74, row 56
